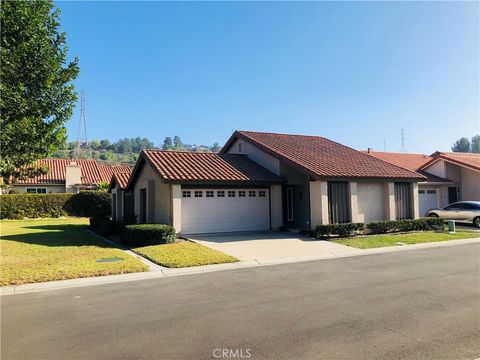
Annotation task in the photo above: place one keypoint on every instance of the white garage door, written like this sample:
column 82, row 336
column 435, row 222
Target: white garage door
column 224, row 210
column 427, row 200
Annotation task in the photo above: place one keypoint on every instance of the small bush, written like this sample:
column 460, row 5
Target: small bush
column 342, row 230
column 382, row 227
column 129, row 219
column 106, row 227
column 18, row 206
column 148, row 234
column 94, row 204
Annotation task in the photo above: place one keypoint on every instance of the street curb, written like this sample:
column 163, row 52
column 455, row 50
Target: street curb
column 170, row 272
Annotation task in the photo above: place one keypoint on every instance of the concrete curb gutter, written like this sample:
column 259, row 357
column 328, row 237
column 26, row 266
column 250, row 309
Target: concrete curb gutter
column 169, row 272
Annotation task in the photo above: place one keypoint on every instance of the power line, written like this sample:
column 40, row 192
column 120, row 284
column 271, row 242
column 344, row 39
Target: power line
column 402, row 136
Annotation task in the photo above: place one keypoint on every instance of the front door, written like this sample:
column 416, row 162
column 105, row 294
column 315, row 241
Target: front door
column 288, row 204
column 452, row 195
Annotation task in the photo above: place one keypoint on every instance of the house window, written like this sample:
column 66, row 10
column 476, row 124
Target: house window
column 231, row 193
column 262, row 193
column 421, row 191
column 251, row 193
column 221, row 193
column 431, row 191
column 403, row 206
column 198, row 193
column 241, row 193
column 338, row 202
column 209, row 193
column 36, row 190
column 186, row 194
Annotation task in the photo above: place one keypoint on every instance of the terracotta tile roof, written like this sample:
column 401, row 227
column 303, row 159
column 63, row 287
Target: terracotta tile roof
column 469, row 160
column 322, row 158
column 92, row 172
column 56, row 172
column 412, row 162
column 184, row 167
column 121, row 179
column 107, row 171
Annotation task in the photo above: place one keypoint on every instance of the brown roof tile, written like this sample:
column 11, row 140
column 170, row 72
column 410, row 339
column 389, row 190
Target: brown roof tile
column 320, row 157
column 470, row 160
column 107, row 171
column 121, row 179
column 181, row 167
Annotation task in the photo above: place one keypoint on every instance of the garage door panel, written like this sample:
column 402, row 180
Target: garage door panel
column 427, row 199
column 223, row 214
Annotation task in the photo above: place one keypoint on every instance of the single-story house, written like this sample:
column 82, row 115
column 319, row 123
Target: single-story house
column 67, row 175
column 262, row 181
column 449, row 176
column 117, row 188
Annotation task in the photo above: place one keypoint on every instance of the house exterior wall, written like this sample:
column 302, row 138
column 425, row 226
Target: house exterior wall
column 159, row 197
column 301, row 202
column 50, row 188
column 318, row 203
column 470, row 184
column 257, row 155
column 73, row 176
column 118, row 211
column 276, row 207
column 438, row 169
column 370, row 202
column 453, row 172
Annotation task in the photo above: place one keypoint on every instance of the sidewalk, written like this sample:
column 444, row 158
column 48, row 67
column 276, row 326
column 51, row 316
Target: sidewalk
column 168, row 272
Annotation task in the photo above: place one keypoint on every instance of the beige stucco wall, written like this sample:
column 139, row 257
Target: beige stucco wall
column 159, row 198
column 256, row 154
column 50, row 188
column 371, row 201
column 438, row 168
column 119, row 208
column 73, row 176
column 318, row 203
column 470, row 184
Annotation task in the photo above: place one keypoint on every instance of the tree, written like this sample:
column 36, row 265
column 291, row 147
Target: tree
column 475, row 144
column 167, row 143
column 37, row 96
column 105, row 144
column 462, row 145
column 215, row 147
column 177, row 143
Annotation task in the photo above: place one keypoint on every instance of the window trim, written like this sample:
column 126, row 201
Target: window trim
column 36, row 190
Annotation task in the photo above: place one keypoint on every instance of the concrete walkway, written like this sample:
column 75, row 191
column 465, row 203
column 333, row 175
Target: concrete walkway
column 270, row 246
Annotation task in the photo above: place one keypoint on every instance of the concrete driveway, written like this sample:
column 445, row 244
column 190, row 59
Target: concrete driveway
column 270, row 246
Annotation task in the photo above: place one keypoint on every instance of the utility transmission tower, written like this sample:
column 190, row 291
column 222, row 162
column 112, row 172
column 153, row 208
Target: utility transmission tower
column 402, row 136
column 82, row 140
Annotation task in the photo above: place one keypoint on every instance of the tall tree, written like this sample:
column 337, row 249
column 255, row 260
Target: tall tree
column 177, row 143
column 215, row 147
column 167, row 143
column 37, row 96
column 475, row 144
column 462, row 145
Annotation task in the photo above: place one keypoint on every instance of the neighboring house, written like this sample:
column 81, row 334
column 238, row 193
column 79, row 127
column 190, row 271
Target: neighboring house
column 66, row 175
column 262, row 181
column 449, row 176
column 117, row 188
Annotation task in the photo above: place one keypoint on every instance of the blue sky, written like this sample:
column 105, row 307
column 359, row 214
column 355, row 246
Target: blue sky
column 353, row 72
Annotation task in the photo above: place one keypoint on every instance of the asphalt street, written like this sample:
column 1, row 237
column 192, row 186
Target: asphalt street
column 418, row 304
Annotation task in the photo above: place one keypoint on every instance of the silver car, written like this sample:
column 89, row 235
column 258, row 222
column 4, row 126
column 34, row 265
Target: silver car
column 461, row 211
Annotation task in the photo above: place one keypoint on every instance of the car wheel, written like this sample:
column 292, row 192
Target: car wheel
column 476, row 221
column 432, row 215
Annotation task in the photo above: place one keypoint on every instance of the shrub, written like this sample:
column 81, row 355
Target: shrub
column 18, row 206
column 106, row 227
column 129, row 219
column 148, row 234
column 382, row 227
column 95, row 204
column 405, row 225
column 342, row 230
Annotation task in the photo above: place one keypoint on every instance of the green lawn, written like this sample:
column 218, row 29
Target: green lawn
column 56, row 249
column 374, row 241
column 183, row 254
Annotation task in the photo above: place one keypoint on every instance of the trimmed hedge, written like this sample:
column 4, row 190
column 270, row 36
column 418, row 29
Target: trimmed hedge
column 148, row 234
column 106, row 227
column 422, row 224
column 342, row 230
column 18, row 206
column 95, row 204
